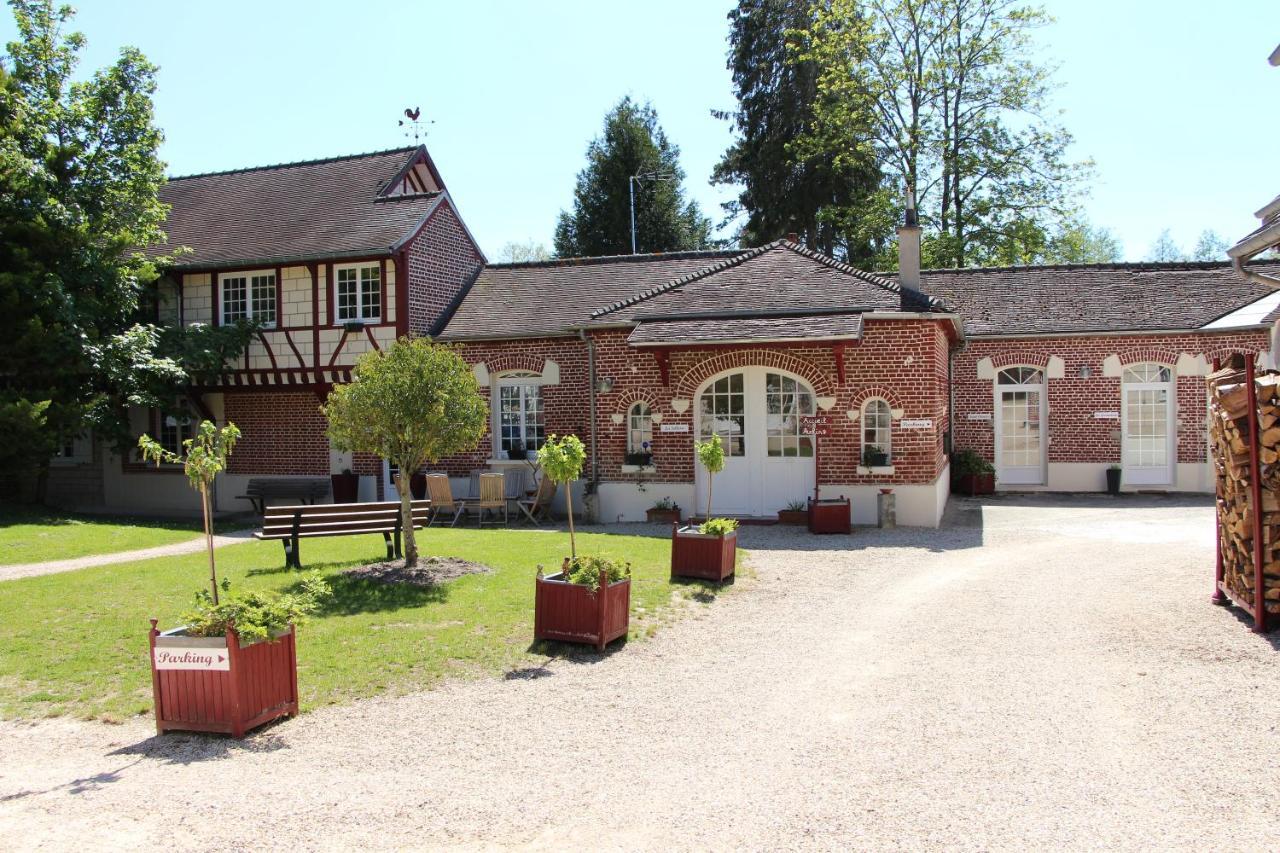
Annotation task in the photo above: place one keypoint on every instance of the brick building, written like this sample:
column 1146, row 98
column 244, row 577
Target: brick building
column 815, row 374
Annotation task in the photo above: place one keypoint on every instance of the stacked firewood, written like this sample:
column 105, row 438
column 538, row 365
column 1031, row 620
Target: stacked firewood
column 1229, row 435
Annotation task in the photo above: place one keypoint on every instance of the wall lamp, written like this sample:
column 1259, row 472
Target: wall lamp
column 604, row 385
column 1085, row 371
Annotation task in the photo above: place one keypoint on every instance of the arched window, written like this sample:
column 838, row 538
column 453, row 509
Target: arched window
column 1020, row 376
column 877, row 433
column 519, row 402
column 1147, row 373
column 639, row 428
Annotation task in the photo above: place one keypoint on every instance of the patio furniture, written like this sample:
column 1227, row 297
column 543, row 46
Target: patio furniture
column 539, row 505
column 492, row 498
column 262, row 489
column 440, row 496
column 289, row 524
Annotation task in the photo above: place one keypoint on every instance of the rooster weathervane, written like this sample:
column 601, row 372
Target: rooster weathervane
column 414, row 127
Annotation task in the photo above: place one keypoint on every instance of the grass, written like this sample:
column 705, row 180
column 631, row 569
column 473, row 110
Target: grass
column 31, row 535
column 75, row 643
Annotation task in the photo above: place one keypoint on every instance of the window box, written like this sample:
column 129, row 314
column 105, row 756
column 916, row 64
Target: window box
column 639, row 469
column 873, row 470
column 701, row 556
column 258, row 684
column 664, row 516
column 574, row 613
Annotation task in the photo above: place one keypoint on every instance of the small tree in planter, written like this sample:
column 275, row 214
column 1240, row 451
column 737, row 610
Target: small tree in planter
column 589, row 599
column 412, row 404
column 711, row 550
column 971, row 473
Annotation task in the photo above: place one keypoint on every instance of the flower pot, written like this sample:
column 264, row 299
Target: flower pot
column 573, row 613
column 346, row 488
column 700, row 555
column 418, row 485
column 793, row 516
column 666, row 516
column 1113, row 481
column 218, row 684
column 830, row 515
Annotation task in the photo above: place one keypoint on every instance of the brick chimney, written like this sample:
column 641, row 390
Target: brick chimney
column 793, row 237
column 909, row 246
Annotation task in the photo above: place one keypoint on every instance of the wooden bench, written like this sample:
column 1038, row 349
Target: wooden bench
column 290, row 524
column 261, row 490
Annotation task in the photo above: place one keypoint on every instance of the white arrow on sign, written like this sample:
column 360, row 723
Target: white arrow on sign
column 209, row 660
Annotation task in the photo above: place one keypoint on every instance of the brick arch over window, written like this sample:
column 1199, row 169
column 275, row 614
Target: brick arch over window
column 508, row 362
column 629, row 398
column 817, row 378
column 874, row 392
column 1001, row 360
column 1145, row 355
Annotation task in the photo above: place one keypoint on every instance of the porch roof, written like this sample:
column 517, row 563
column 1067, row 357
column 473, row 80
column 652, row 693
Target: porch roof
column 722, row 328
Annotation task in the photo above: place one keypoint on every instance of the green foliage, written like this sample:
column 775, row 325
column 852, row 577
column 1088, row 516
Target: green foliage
column 664, row 504
column 562, row 458
column 632, row 143
column 718, row 526
column 206, row 454
column 797, row 506
column 711, row 454
column 969, row 461
column 256, row 615
column 585, row 571
column 784, row 187
column 1209, row 247
column 415, row 402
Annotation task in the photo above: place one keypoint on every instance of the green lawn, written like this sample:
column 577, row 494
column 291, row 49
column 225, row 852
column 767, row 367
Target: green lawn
column 76, row 643
column 34, row 536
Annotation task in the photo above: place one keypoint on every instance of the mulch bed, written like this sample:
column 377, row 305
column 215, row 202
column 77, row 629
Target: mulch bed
column 429, row 571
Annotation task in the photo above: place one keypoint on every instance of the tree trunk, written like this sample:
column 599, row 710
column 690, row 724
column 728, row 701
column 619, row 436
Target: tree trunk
column 568, row 502
column 208, row 538
column 406, row 519
column 710, row 478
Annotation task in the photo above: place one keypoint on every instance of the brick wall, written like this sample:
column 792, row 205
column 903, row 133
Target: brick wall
column 441, row 261
column 281, row 433
column 1075, row 435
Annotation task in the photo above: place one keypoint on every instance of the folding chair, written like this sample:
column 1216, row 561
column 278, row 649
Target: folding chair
column 492, row 499
column 442, row 501
column 539, row 506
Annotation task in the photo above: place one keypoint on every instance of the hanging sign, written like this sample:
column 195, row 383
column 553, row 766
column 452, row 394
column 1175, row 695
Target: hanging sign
column 817, row 425
column 673, row 428
column 193, row 657
column 978, row 416
column 1107, row 416
column 916, row 423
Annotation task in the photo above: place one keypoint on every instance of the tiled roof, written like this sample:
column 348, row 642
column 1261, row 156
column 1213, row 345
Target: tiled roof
column 1078, row 298
column 726, row 329
column 774, row 277
column 549, row 297
column 293, row 211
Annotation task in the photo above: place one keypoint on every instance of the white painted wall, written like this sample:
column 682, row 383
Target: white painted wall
column 1194, row 477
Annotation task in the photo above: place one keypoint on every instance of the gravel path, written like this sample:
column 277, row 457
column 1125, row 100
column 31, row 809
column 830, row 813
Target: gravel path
column 51, row 567
column 1044, row 673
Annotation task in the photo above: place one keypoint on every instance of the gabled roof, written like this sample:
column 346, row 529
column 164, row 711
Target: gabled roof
column 1077, row 298
column 317, row 209
column 779, row 276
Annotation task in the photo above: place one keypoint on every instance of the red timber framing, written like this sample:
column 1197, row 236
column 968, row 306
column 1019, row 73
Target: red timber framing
column 662, row 354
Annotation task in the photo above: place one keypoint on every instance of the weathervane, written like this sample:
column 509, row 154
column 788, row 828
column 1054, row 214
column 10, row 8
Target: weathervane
column 415, row 128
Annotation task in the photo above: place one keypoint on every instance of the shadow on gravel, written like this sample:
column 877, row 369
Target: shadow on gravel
column 1246, row 623
column 83, row 785
column 194, row 748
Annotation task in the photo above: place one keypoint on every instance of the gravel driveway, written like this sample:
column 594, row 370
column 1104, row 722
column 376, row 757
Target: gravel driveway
column 1043, row 672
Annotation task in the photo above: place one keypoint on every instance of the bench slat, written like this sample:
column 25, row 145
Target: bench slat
column 308, row 534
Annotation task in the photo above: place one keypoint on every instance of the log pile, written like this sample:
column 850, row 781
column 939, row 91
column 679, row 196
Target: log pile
column 1229, row 436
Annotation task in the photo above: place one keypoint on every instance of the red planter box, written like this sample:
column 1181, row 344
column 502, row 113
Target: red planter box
column 976, row 484
column 573, row 613
column 666, row 516
column 215, row 684
column 346, row 488
column 695, row 555
column 830, row 515
column 793, row 516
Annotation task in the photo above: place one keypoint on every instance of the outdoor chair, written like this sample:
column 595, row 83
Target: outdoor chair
column 492, row 499
column 538, row 507
column 442, row 502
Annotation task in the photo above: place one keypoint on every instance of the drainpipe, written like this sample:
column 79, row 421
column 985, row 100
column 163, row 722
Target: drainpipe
column 1253, row 275
column 594, row 479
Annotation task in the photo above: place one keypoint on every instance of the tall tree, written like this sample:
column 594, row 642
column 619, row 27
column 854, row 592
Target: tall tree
column 519, row 253
column 1209, row 247
column 959, row 107
column 633, row 143
column 1166, row 250
column 787, row 188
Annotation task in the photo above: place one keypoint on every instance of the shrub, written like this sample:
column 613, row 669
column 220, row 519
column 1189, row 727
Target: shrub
column 969, row 461
column 718, row 526
column 255, row 615
column 664, row 504
column 585, row 571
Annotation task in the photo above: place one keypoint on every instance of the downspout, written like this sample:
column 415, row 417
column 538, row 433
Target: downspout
column 589, row 494
column 1253, row 275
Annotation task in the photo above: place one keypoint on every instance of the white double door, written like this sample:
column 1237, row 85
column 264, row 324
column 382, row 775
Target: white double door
column 769, row 458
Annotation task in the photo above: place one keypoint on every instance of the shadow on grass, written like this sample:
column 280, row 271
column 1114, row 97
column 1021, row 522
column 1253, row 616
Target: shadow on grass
column 362, row 595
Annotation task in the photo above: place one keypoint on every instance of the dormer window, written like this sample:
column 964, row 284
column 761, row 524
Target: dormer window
column 358, row 293
column 249, row 296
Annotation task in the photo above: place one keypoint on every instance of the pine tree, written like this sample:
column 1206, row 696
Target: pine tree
column 632, row 144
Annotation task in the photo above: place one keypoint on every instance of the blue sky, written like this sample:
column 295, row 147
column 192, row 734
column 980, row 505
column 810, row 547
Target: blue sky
column 1174, row 100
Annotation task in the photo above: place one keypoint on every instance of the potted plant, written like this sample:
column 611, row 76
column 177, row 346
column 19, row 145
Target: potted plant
column 589, row 599
column 1113, row 479
column 346, row 487
column 972, row 474
column 664, row 511
column 797, row 512
column 874, row 457
column 234, row 665
column 709, row 551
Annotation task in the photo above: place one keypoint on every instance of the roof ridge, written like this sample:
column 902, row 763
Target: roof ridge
column 685, row 279
column 295, row 163
column 870, row 277
column 616, row 259
column 1104, row 265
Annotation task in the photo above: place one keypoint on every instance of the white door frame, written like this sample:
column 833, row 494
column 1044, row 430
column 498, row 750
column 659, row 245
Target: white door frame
column 1151, row 475
column 1021, row 475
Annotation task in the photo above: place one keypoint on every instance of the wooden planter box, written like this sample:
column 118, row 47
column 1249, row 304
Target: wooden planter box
column 830, row 515
column 697, row 555
column 666, row 516
column 216, row 684
column 346, row 488
column 793, row 516
column 976, row 484
column 573, row 613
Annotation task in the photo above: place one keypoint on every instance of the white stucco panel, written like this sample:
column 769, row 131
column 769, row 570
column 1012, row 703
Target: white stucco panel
column 986, row 370
column 1111, row 366
column 550, row 373
column 481, row 372
column 1191, row 365
column 1055, row 369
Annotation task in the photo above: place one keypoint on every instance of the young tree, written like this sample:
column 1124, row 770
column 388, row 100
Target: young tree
column 632, row 144
column 785, row 187
column 561, row 460
column 1165, row 250
column 518, row 253
column 1209, row 247
column 205, row 458
column 711, row 455
column 411, row 404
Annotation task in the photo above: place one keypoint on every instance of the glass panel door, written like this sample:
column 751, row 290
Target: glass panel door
column 1147, row 430
column 1020, row 435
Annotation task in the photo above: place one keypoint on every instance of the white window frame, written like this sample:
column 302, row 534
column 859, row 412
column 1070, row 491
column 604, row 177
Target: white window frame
column 248, row 276
column 885, row 444
column 360, row 316
column 81, row 448
column 1149, row 475
column 523, row 380
column 645, row 419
